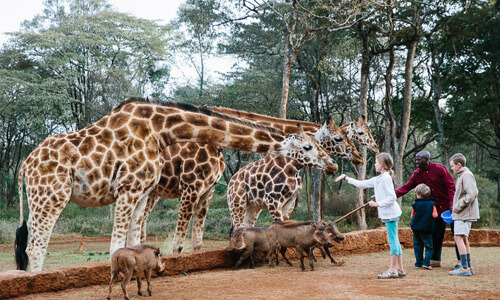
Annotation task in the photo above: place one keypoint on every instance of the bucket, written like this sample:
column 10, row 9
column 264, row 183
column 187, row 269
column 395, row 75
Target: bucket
column 446, row 216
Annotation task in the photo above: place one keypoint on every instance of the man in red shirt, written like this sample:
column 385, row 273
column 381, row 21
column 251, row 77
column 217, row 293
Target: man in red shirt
column 439, row 179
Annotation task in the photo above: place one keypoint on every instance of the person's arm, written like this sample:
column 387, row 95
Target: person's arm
column 434, row 212
column 387, row 188
column 470, row 188
column 408, row 186
column 449, row 184
column 362, row 184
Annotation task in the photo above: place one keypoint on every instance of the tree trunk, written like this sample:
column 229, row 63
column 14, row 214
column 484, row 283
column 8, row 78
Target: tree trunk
column 316, row 191
column 361, row 169
column 406, row 110
column 287, row 60
column 436, row 95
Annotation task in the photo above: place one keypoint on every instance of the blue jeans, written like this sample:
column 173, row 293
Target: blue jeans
column 422, row 240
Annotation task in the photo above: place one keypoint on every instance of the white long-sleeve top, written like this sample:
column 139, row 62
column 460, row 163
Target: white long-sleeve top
column 385, row 195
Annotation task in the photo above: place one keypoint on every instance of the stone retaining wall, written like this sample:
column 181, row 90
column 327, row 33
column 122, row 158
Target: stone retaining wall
column 19, row 283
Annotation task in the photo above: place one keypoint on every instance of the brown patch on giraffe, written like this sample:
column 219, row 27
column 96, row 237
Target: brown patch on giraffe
column 93, row 176
column 87, row 146
column 121, row 134
column 152, row 149
column 263, row 148
column 218, row 124
column 97, row 158
column 184, row 131
column 68, row 155
column 198, row 120
column 139, row 128
column 85, row 164
column 120, row 149
column 118, row 120
column 102, row 123
column 158, row 122
column 166, row 110
column 75, row 140
column 58, row 144
column 238, row 142
column 108, row 164
column 173, row 120
column 136, row 161
column 105, row 138
column 201, row 156
column 93, row 130
column 143, row 112
column 240, row 130
column 188, row 165
column 210, row 136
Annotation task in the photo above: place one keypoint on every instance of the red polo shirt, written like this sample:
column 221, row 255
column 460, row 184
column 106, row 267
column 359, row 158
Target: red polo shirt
column 439, row 179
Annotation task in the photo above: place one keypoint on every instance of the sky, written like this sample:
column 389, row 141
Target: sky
column 14, row 12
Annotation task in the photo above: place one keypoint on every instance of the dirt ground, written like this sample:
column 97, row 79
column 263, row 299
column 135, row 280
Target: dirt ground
column 355, row 279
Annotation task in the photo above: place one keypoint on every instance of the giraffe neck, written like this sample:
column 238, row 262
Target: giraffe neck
column 169, row 124
column 288, row 126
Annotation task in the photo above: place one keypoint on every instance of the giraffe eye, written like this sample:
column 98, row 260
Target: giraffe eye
column 361, row 132
column 338, row 139
column 307, row 147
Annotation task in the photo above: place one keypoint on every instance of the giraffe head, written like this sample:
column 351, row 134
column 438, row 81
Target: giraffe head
column 307, row 151
column 360, row 131
column 335, row 142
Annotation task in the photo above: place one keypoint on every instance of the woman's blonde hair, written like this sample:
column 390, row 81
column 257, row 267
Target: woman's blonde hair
column 385, row 160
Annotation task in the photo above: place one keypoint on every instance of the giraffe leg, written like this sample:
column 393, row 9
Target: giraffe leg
column 274, row 207
column 288, row 208
column 251, row 215
column 151, row 203
column 125, row 205
column 199, row 215
column 135, row 226
column 237, row 206
column 185, row 212
column 43, row 217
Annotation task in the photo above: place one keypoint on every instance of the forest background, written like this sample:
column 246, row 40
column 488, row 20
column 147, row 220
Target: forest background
column 426, row 74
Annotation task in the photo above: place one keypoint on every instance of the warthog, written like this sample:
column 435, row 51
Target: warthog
column 249, row 240
column 335, row 234
column 299, row 235
column 138, row 260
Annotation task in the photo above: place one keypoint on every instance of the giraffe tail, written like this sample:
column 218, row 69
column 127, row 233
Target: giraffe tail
column 22, row 231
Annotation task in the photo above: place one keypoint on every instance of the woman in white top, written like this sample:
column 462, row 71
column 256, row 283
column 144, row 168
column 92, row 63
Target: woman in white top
column 388, row 209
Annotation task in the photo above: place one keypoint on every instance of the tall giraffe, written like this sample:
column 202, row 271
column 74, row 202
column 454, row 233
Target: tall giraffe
column 117, row 159
column 360, row 131
column 196, row 190
column 274, row 182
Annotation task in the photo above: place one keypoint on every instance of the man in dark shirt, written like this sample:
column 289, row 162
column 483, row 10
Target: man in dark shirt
column 439, row 179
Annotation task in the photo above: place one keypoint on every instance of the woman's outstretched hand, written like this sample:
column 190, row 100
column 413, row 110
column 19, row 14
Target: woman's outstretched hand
column 373, row 204
column 340, row 177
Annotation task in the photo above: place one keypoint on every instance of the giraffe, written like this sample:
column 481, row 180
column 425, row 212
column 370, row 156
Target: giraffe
column 117, row 160
column 205, row 165
column 274, row 183
column 360, row 132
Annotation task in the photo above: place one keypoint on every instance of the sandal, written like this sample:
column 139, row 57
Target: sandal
column 388, row 275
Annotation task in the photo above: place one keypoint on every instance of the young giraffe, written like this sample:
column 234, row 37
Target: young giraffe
column 205, row 165
column 117, row 159
column 274, row 183
column 360, row 131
